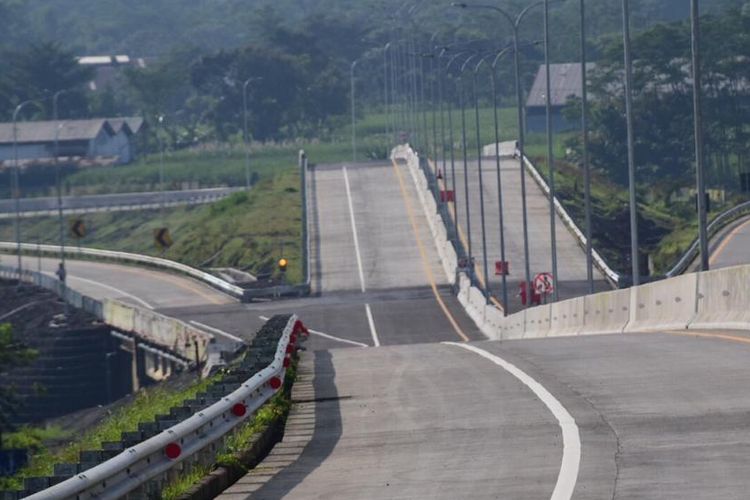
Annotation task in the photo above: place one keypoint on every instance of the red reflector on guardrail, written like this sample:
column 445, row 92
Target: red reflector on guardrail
column 172, row 451
column 287, row 362
column 275, row 382
column 239, row 410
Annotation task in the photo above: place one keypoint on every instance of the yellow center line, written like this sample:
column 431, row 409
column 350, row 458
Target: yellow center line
column 719, row 336
column 423, row 255
column 715, row 255
column 478, row 268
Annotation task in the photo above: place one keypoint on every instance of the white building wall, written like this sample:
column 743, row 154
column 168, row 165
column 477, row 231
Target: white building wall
column 112, row 146
column 25, row 152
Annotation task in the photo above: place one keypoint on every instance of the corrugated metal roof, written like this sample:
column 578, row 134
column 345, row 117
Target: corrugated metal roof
column 45, row 131
column 565, row 81
column 134, row 123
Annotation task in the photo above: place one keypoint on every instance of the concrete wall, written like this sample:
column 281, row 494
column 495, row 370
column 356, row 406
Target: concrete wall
column 709, row 300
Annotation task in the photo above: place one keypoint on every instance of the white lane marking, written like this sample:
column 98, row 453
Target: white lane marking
column 116, row 290
column 371, row 322
column 19, row 309
column 325, row 335
column 354, row 230
column 368, row 311
column 568, row 475
column 216, row 331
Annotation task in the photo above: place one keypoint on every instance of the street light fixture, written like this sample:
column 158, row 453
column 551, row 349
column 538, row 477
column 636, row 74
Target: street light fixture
column 61, row 274
column 246, row 135
column 354, row 118
column 698, row 130
column 16, row 183
column 514, row 24
column 586, row 164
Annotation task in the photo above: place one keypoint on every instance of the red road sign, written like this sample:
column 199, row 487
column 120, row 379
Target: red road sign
column 543, row 283
column 447, row 196
column 502, row 268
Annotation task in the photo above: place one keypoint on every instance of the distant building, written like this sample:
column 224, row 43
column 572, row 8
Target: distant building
column 108, row 68
column 565, row 82
column 103, row 140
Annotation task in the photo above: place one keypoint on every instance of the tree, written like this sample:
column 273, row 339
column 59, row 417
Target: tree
column 13, row 354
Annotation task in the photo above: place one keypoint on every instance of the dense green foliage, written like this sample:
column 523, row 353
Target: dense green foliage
column 13, row 354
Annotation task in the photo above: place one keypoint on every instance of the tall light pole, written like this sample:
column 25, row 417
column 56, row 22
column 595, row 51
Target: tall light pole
column 386, row 108
column 354, row 118
column 161, row 167
column 16, row 185
column 698, row 131
column 631, row 142
column 62, row 275
column 550, row 156
column 496, row 120
column 514, row 24
column 246, row 133
column 481, row 183
column 586, row 165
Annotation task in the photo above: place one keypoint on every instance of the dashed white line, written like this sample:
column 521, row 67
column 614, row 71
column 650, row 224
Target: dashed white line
column 571, row 459
column 216, row 331
column 116, row 290
column 327, row 336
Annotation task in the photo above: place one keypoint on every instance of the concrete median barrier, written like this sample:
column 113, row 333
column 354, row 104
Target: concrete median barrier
column 567, row 317
column 723, row 300
column 663, row 305
column 537, row 321
column 607, row 312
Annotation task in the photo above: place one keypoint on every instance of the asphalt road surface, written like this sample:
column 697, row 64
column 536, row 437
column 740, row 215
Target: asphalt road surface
column 732, row 247
column 135, row 201
column 571, row 267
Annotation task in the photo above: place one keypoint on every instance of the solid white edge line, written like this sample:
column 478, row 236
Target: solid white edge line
column 216, row 331
column 571, row 459
column 354, row 229
column 325, row 335
column 371, row 322
column 117, row 290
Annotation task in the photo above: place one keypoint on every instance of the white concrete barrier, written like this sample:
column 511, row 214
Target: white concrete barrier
column 537, row 321
column 607, row 312
column 663, row 305
column 723, row 299
column 567, row 317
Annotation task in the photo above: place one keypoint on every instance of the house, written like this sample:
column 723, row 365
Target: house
column 108, row 140
column 107, row 69
column 565, row 82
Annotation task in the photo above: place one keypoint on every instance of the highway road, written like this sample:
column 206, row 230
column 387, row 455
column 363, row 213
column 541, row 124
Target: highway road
column 119, row 201
column 571, row 258
column 403, row 408
column 731, row 247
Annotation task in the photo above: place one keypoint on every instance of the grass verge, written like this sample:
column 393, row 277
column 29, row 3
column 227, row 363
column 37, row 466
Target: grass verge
column 143, row 408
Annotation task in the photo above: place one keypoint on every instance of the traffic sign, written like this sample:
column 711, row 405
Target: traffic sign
column 502, row 268
column 543, row 283
column 447, row 195
column 162, row 238
column 78, row 228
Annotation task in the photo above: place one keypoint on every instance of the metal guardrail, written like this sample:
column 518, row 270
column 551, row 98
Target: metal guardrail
column 611, row 275
column 54, row 250
column 195, row 440
column 716, row 225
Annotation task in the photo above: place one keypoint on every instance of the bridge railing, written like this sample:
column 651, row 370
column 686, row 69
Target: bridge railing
column 716, row 225
column 142, row 470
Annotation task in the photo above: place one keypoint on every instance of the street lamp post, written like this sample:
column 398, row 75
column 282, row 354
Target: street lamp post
column 246, row 133
column 514, row 24
column 631, row 142
column 161, row 168
column 550, row 156
column 386, row 108
column 586, row 165
column 503, row 275
column 698, row 130
column 16, row 185
column 481, row 183
column 62, row 275
column 354, row 124
column 464, row 147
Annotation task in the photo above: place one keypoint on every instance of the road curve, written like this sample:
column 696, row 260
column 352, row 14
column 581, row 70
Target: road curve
column 732, row 248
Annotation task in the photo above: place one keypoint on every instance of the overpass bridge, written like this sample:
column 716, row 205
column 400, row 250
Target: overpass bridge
column 408, row 398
